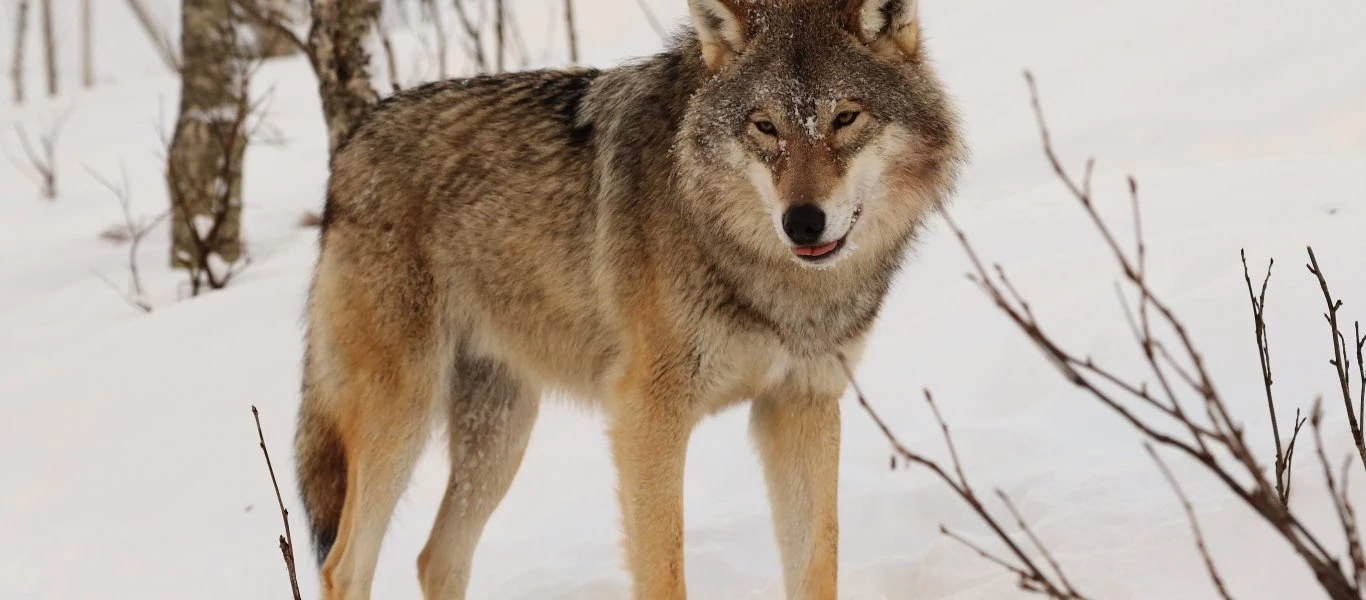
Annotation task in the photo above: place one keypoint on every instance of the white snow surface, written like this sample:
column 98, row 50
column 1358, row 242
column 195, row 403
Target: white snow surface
column 129, row 466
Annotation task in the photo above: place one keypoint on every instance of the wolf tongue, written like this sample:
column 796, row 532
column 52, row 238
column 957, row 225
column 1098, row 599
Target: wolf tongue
column 820, row 250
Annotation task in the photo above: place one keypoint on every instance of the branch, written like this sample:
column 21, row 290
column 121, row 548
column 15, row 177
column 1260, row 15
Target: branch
column 1195, row 524
column 1283, row 471
column 1031, row 577
column 1033, row 539
column 273, row 21
column 1361, row 376
column 160, row 40
column 1341, row 506
column 1341, row 362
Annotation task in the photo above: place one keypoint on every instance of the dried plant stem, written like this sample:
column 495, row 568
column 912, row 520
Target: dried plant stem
column 286, row 540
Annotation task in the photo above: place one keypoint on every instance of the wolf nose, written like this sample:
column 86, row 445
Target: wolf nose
column 804, row 224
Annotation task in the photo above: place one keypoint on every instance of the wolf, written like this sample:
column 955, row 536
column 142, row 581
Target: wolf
column 716, row 224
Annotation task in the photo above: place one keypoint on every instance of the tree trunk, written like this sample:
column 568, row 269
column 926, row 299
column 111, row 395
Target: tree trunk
column 87, row 45
column 573, row 35
column 49, row 48
column 204, row 161
column 337, row 42
column 16, row 71
column 500, row 26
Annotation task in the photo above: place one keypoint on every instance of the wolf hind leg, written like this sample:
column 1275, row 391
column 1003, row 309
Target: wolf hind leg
column 383, row 426
column 491, row 412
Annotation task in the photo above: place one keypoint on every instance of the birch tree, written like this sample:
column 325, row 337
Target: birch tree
column 49, row 48
column 16, row 70
column 87, row 45
column 205, row 154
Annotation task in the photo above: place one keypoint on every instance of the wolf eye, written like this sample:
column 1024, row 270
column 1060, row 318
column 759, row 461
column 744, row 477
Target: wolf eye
column 766, row 128
column 846, row 119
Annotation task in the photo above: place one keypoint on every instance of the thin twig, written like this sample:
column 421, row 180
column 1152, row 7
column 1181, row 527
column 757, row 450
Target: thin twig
column 1195, row 523
column 286, row 540
column 137, row 304
column 992, row 558
column 1283, row 470
column 1031, row 576
column 1341, row 361
column 1361, row 371
column 1290, row 452
column 1034, row 539
column 1341, row 506
column 1349, row 526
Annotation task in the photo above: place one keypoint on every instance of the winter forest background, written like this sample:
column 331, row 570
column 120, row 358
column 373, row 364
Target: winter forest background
column 164, row 169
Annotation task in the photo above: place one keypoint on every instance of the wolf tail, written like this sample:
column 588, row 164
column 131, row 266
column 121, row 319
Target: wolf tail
column 322, row 469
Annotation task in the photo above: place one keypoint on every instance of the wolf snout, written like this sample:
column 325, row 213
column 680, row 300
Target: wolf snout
column 804, row 224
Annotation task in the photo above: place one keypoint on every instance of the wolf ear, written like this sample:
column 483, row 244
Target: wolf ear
column 721, row 28
column 891, row 26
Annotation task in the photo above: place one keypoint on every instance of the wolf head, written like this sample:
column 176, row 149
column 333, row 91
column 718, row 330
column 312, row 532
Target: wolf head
column 822, row 132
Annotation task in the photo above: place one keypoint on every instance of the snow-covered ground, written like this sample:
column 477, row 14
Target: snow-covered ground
column 128, row 459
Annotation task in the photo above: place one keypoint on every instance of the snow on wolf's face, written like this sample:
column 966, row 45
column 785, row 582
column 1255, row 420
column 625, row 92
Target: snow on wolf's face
column 810, row 141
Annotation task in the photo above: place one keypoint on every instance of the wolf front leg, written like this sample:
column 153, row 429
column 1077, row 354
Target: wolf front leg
column 651, row 418
column 797, row 431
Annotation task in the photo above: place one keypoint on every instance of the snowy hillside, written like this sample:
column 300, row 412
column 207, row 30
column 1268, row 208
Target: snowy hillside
column 128, row 458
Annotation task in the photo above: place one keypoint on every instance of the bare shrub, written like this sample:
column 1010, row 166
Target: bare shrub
column 132, row 230
column 40, row 160
column 1176, row 407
